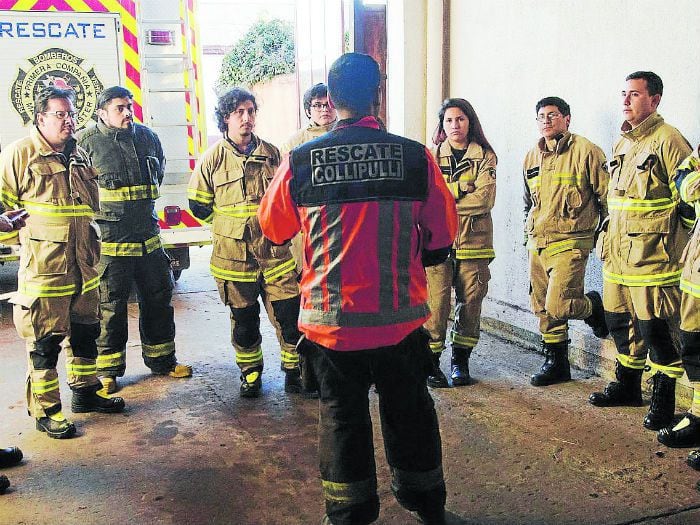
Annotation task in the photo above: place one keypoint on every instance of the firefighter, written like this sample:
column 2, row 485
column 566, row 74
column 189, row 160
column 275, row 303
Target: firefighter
column 129, row 161
column 225, row 189
column 687, row 432
column 369, row 203
column 468, row 164
column 322, row 118
column 641, row 250
column 50, row 176
column 565, row 201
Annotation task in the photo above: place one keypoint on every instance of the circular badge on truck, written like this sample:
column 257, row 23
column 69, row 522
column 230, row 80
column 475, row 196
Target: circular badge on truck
column 60, row 68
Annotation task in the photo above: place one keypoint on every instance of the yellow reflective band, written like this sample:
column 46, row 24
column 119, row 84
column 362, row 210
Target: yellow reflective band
column 41, row 387
column 159, row 350
column 674, row 370
column 661, row 279
column 556, row 337
column 9, row 198
column 131, row 249
column 249, row 357
column 629, row 361
column 239, row 212
column 627, row 204
column 106, row 360
column 230, row 275
column 469, row 177
column 81, row 370
column 436, row 348
column 202, row 197
column 129, row 193
column 690, row 288
column 463, row 340
column 4, row 237
column 357, row 491
column 252, row 377
column 688, row 223
column 209, row 218
column 271, row 274
column 34, row 290
column 288, row 357
column 534, row 182
column 696, row 396
column 558, row 247
column 48, row 210
column 687, row 181
column 468, row 253
column 90, row 285
column 568, row 179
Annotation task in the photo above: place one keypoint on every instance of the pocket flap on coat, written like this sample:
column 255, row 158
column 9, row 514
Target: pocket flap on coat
column 49, row 232
column 649, row 225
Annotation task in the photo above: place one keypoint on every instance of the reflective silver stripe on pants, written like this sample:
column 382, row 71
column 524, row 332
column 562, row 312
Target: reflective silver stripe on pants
column 416, row 481
column 359, row 319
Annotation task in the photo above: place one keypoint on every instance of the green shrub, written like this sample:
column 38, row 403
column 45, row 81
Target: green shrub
column 264, row 52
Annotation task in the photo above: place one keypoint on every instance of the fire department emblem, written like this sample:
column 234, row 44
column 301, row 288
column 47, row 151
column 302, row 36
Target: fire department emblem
column 60, row 68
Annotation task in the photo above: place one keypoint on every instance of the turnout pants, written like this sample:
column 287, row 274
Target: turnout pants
column 556, row 291
column 470, row 279
column 690, row 345
column 152, row 276
column 409, row 427
column 644, row 316
column 44, row 323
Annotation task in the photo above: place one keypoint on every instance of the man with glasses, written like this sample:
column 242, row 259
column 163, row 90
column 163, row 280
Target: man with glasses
column 566, row 182
column 50, row 176
column 130, row 166
column 321, row 115
column 641, row 252
column 225, row 189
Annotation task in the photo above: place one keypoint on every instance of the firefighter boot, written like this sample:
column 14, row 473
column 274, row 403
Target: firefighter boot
column 626, row 391
column 597, row 318
column 92, row 399
column 685, row 434
column 251, row 382
column 4, row 484
column 556, row 367
column 292, row 381
column 693, row 460
column 109, row 385
column 663, row 402
column 460, row 366
column 10, row 456
column 56, row 426
column 437, row 379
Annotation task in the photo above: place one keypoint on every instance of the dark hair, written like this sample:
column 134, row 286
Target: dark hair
column 317, row 91
column 41, row 100
column 110, row 93
column 228, row 102
column 560, row 103
column 475, row 133
column 654, row 84
column 353, row 81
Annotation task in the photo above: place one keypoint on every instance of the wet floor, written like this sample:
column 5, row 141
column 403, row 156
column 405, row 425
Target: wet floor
column 190, row 451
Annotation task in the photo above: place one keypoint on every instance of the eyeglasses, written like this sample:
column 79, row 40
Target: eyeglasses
column 318, row 106
column 61, row 115
column 548, row 117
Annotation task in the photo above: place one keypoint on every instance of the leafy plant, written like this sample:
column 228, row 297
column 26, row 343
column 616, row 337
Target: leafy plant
column 264, row 52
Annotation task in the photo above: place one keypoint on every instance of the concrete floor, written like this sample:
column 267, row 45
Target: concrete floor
column 190, row 451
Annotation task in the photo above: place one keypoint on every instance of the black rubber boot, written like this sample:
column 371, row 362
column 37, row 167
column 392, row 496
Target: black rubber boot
column 693, row 460
column 92, row 399
column 626, row 391
column 597, row 318
column 251, row 382
column 437, row 379
column 685, row 434
column 4, row 484
column 56, row 427
column 460, row 366
column 663, row 402
column 556, row 367
column 10, row 456
column 292, row 381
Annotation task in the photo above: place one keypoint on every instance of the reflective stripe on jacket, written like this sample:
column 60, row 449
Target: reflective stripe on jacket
column 472, row 182
column 60, row 245
column 565, row 193
column 644, row 241
column 363, row 285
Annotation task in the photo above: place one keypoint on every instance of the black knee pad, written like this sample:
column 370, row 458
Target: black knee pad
column 657, row 335
column 690, row 354
column 619, row 326
column 246, row 332
column 287, row 315
column 82, row 339
column 45, row 353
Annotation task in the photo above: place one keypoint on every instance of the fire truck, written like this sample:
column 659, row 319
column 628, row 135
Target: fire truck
column 150, row 47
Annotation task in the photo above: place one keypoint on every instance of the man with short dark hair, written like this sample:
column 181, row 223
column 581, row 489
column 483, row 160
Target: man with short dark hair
column 641, row 252
column 50, row 176
column 374, row 210
column 130, row 166
column 565, row 201
column 225, row 189
column 321, row 115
